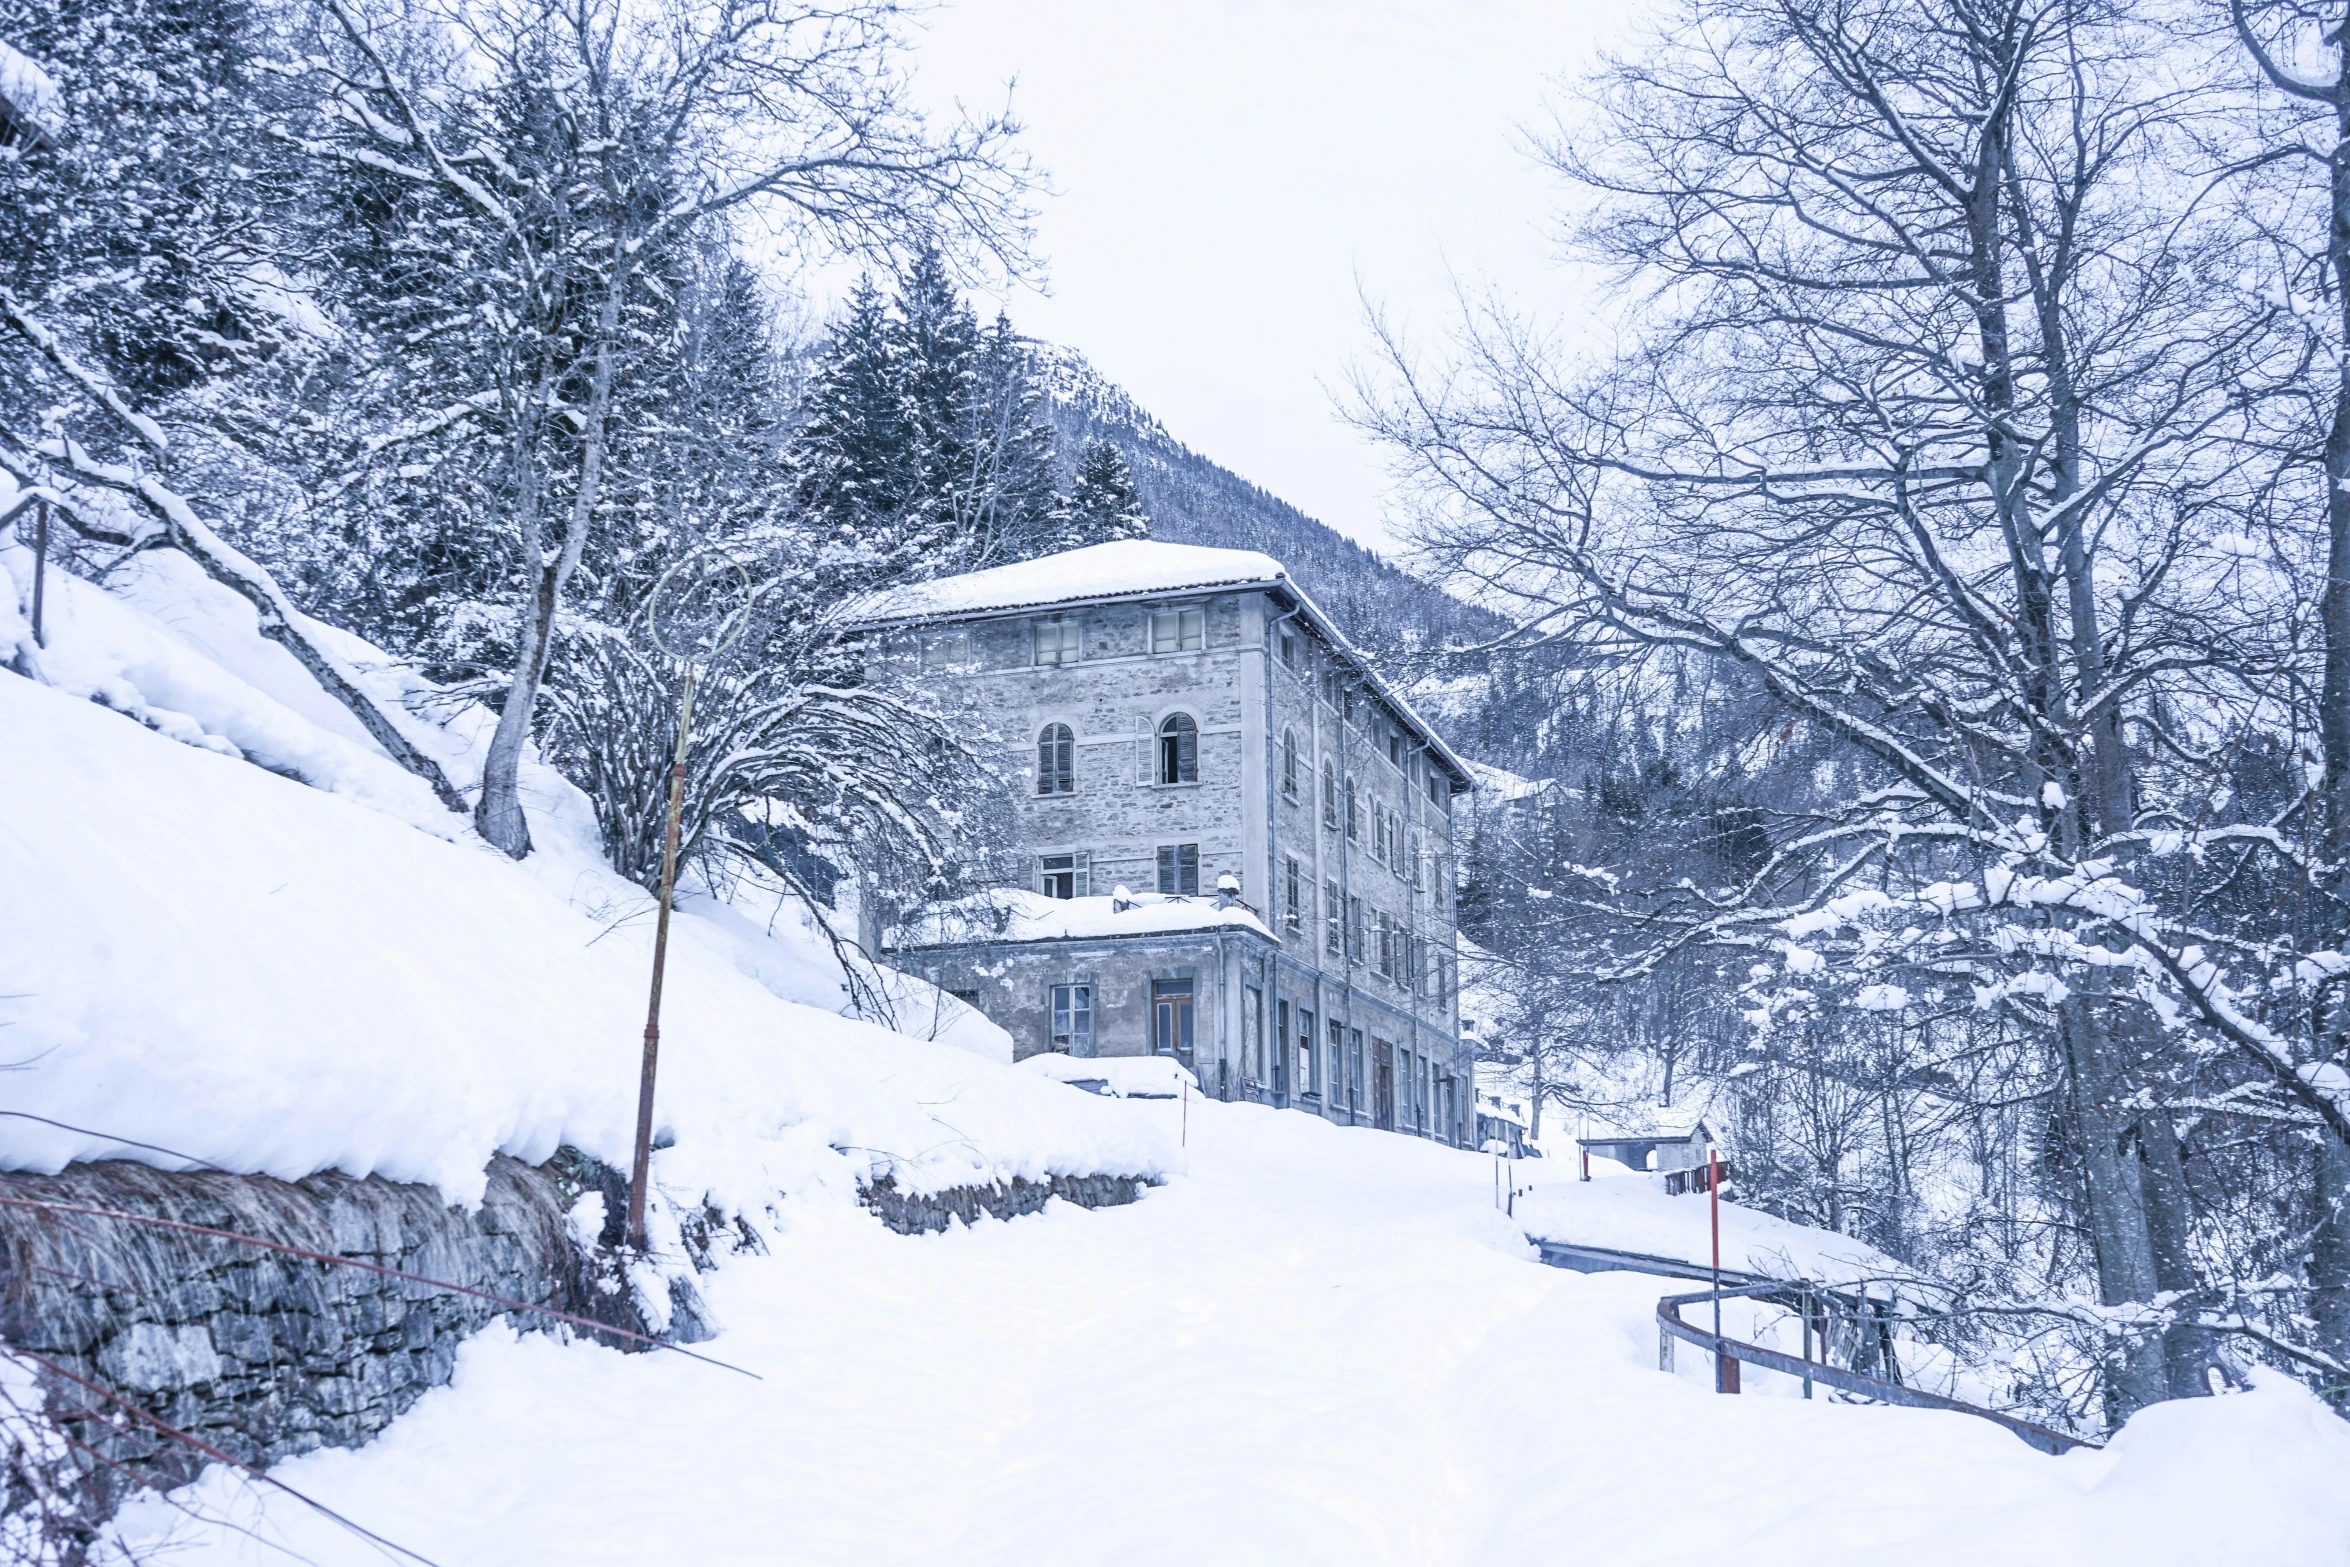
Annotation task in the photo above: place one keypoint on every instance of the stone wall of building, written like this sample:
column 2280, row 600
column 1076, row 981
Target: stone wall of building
column 1113, row 700
column 1264, row 688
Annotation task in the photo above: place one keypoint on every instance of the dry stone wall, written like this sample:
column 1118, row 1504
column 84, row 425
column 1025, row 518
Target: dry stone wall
column 264, row 1355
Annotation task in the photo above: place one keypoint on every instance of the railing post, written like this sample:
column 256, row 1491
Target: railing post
column 1664, row 1347
column 1806, row 1308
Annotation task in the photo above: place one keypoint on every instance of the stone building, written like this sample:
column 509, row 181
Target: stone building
column 1236, row 840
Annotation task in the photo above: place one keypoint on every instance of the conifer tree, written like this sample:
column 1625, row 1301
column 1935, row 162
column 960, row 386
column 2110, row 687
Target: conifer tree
column 1103, row 504
column 1011, row 505
column 937, row 339
column 853, row 458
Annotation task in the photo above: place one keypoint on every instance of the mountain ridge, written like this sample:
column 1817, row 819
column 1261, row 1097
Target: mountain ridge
column 1193, row 499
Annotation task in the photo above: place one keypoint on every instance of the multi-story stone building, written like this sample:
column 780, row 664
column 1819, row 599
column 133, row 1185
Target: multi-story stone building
column 1236, row 840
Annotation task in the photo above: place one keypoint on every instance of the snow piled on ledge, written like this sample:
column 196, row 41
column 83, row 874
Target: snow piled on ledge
column 306, row 964
column 1014, row 915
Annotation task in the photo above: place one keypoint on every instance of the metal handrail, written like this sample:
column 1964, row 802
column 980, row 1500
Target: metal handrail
column 1668, row 1318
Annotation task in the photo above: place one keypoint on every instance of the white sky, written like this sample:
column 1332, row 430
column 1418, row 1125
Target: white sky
column 1225, row 174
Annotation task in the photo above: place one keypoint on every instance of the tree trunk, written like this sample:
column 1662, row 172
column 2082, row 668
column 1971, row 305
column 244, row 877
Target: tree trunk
column 2329, row 1253
column 2329, row 1261
column 2186, row 1349
column 2116, row 1203
column 499, row 816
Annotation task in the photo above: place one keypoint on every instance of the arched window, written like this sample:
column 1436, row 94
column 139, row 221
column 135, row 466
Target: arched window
column 1179, row 750
column 1329, row 794
column 1354, row 812
column 1289, row 763
column 1056, row 760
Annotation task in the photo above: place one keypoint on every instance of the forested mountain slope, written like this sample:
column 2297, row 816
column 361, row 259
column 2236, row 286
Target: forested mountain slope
column 1192, row 499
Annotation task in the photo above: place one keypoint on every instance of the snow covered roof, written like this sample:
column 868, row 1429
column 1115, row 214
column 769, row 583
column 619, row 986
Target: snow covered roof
column 1128, row 571
column 29, row 101
column 1668, row 1123
column 1097, row 574
column 1031, row 916
column 1509, row 787
column 1489, row 1105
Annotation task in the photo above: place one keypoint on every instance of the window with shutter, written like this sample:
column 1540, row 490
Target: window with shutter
column 1065, row 875
column 1056, row 760
column 1332, row 940
column 1329, row 794
column 1289, row 763
column 1179, row 750
column 1179, row 869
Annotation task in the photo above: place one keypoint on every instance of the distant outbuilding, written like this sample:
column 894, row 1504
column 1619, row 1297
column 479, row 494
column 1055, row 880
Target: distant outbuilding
column 1500, row 1128
column 32, row 111
column 1673, row 1143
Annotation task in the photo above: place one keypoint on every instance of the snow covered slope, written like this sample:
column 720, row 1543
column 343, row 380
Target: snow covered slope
column 1319, row 1346
column 284, row 976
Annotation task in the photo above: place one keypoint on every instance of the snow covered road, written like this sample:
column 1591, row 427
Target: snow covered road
column 1319, row 1346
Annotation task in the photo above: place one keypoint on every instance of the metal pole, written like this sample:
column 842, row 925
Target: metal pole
column 1807, row 1341
column 644, row 1091
column 40, row 567
column 1725, row 1377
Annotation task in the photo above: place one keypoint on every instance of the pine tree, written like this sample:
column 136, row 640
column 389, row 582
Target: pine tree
column 937, row 339
column 853, row 458
column 1013, row 510
column 1103, row 504
column 141, row 236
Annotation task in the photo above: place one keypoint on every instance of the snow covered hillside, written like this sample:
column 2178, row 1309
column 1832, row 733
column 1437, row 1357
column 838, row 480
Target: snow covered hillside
column 232, row 932
column 281, row 976
column 1319, row 1345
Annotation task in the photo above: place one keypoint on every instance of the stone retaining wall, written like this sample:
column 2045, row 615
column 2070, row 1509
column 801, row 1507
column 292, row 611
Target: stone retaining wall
column 265, row 1355
column 916, row 1215
column 258, row 1353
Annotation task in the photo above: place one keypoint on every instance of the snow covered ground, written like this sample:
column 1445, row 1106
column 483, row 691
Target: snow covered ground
column 1320, row 1345
column 200, row 953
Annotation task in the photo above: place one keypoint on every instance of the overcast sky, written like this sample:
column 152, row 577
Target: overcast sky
column 1224, row 174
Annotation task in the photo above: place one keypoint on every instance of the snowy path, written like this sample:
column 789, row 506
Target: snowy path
column 1320, row 1346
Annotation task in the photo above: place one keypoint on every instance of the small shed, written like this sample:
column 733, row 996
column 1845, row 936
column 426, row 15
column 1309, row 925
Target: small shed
column 1500, row 1129
column 1673, row 1145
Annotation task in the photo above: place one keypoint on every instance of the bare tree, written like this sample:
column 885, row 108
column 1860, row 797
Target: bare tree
column 579, row 140
column 1928, row 429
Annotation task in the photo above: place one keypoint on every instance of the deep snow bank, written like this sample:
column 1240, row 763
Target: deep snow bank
column 284, row 977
